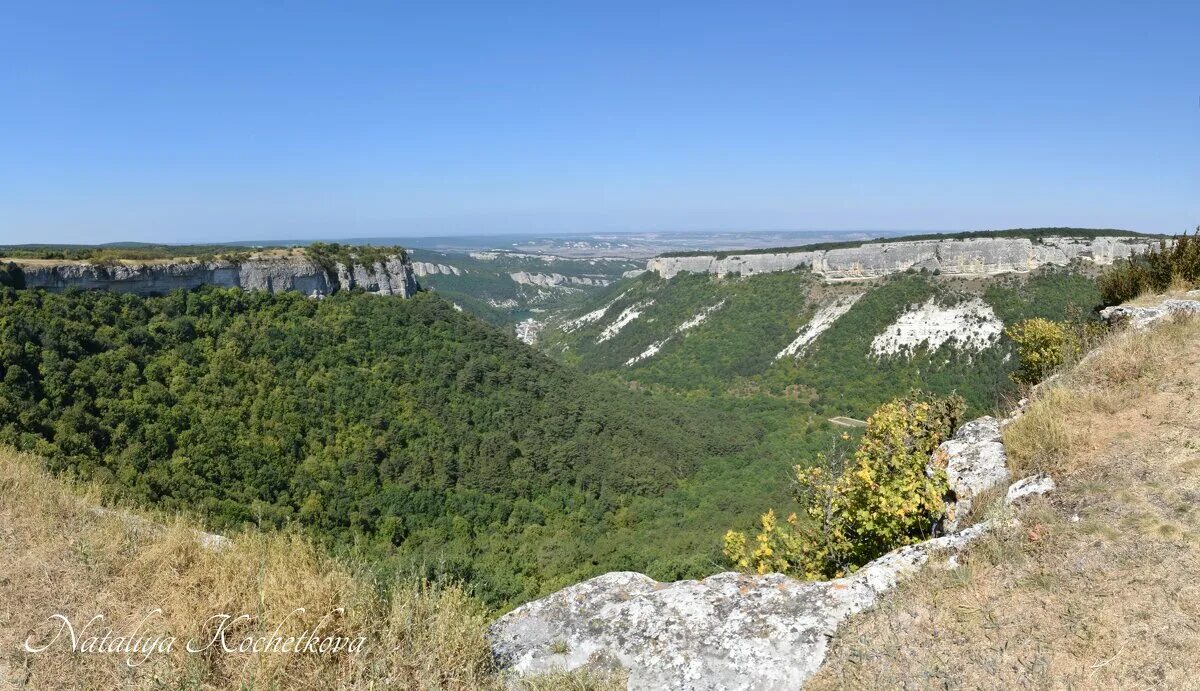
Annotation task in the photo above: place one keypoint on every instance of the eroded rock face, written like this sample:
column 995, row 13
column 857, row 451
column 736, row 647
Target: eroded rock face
column 732, row 630
column 970, row 326
column 1142, row 317
column 975, row 463
column 555, row 280
column 392, row 277
column 966, row 257
column 433, row 269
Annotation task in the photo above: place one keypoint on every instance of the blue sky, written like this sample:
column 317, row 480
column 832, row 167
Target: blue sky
column 223, row 120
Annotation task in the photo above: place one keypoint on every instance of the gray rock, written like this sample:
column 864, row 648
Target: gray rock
column 975, row 462
column 965, row 257
column 728, row 631
column 1142, row 317
column 393, row 277
column 1028, row 487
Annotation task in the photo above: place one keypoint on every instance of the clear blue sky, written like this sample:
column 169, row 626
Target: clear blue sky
column 223, row 120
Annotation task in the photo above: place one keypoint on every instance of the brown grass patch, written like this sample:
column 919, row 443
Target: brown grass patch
column 57, row 556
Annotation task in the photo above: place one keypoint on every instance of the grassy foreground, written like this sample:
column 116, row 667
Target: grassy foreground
column 58, row 555
column 1095, row 588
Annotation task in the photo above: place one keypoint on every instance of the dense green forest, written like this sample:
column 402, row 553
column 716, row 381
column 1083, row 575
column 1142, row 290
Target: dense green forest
column 400, row 429
column 419, row 438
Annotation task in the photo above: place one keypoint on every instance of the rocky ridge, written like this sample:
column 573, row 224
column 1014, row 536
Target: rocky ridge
column 965, row 257
column 395, row 276
column 1140, row 317
column 734, row 630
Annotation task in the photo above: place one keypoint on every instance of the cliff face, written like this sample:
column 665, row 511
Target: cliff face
column 392, row 277
column 971, row 257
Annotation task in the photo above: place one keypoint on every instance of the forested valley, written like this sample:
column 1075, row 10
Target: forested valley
column 420, row 440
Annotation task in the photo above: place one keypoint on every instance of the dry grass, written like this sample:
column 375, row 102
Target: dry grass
column 59, row 557
column 1096, row 588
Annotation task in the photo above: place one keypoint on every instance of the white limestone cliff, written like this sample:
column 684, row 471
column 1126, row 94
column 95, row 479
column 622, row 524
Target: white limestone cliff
column 395, row 276
column 965, row 257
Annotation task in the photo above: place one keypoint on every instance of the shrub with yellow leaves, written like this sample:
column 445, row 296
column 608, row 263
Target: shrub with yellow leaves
column 862, row 506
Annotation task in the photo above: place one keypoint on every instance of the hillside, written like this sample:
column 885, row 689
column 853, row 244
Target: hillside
column 842, row 348
column 403, row 430
column 1063, row 556
column 1096, row 587
column 60, row 555
column 504, row 288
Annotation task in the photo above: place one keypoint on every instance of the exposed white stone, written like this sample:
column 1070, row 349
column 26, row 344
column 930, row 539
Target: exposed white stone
column 591, row 317
column 975, row 463
column 728, row 631
column 970, row 257
column 649, row 352
column 1142, row 317
column 555, row 280
column 692, row 323
column 395, row 276
column 528, row 330
column 699, row 318
column 1028, row 487
column 626, row 316
column 972, row 326
column 208, row 541
column 824, row 318
column 431, row 269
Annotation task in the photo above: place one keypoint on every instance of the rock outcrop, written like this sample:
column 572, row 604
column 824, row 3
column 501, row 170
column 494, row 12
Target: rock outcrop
column 433, row 269
column 394, row 276
column 555, row 280
column 971, row 326
column 975, row 463
column 1142, row 317
column 967, row 257
column 731, row 630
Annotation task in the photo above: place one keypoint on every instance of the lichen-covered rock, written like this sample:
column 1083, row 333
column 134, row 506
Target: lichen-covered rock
column 728, row 631
column 1028, row 487
column 1142, row 317
column 975, row 462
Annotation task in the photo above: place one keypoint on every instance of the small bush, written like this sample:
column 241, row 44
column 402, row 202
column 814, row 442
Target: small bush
column 1041, row 348
column 863, row 506
column 1043, row 345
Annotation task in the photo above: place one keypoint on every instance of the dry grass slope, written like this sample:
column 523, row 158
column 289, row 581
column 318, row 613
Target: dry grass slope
column 58, row 556
column 1096, row 588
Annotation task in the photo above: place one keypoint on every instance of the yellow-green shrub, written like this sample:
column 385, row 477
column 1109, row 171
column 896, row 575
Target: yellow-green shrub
column 860, row 507
column 1041, row 347
column 1044, row 345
